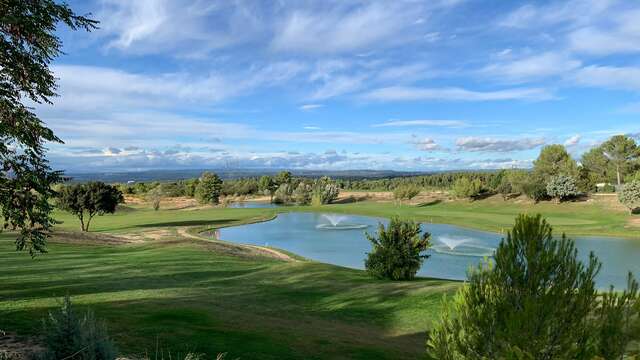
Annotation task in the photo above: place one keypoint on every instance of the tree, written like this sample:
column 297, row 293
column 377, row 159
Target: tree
column 324, row 191
column 208, row 189
column 537, row 300
column 397, row 250
column 405, row 192
column 622, row 151
column 28, row 44
column 466, row 188
column 629, row 196
column 283, row 177
column 88, row 200
column 554, row 160
column 562, row 187
column 267, row 186
column 598, row 165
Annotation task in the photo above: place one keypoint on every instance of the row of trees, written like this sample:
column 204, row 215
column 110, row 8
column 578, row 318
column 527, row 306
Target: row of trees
column 534, row 300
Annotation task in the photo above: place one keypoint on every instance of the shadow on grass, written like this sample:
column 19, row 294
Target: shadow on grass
column 189, row 223
column 430, row 203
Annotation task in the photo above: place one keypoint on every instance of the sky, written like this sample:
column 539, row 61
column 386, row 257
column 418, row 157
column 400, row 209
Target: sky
column 399, row 85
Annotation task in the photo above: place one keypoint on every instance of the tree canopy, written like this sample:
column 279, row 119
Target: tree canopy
column 28, row 44
column 536, row 300
column 208, row 189
column 88, row 200
column 622, row 151
column 554, row 160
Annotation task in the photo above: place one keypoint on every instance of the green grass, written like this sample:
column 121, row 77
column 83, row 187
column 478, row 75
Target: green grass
column 579, row 218
column 189, row 298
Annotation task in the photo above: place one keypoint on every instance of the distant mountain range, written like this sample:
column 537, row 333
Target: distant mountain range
column 169, row 175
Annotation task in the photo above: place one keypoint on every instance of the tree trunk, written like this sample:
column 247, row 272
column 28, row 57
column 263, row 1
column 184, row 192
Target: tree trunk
column 618, row 174
column 81, row 217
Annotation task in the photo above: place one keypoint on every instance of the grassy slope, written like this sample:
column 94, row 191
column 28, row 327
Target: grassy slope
column 190, row 298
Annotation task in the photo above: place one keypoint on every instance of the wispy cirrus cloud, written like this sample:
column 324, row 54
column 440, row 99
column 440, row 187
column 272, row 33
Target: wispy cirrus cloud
column 479, row 144
column 413, row 123
column 398, row 93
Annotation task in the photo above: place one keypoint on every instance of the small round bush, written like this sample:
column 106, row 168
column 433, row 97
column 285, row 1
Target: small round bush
column 397, row 252
column 630, row 196
column 562, row 187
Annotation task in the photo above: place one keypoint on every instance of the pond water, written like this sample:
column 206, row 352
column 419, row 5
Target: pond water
column 252, row 205
column 340, row 240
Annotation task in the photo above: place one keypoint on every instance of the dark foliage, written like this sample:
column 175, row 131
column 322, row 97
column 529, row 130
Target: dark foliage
column 88, row 200
column 28, row 44
column 398, row 250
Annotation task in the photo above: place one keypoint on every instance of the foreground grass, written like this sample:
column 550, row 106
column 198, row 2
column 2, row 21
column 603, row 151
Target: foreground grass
column 186, row 297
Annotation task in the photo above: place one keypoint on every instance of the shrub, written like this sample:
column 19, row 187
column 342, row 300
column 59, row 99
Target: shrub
column 537, row 301
column 70, row 336
column 535, row 191
column 466, row 188
column 562, row 187
column 302, row 194
column 283, row 194
column 504, row 188
column 155, row 196
column 405, row 192
column 630, row 196
column 397, row 250
column 607, row 189
column 325, row 191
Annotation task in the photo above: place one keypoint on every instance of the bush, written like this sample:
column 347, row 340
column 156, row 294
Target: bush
column 302, row 194
column 70, row 336
column 325, row 191
column 535, row 191
column 284, row 194
column 537, row 301
column 397, row 250
column 630, row 196
column 562, row 187
column 405, row 192
column 466, row 188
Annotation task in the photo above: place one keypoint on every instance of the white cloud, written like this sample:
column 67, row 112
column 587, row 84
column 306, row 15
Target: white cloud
column 621, row 34
column 426, row 144
column 574, row 12
column 309, row 107
column 573, row 141
column 312, row 128
column 477, row 144
column 165, row 26
column 626, row 78
column 399, row 93
column 404, row 123
column 345, row 28
column 532, row 67
column 96, row 89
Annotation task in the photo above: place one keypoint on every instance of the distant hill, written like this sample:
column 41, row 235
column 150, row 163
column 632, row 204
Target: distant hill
column 169, row 175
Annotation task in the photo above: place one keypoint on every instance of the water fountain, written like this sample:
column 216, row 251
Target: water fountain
column 336, row 222
column 461, row 246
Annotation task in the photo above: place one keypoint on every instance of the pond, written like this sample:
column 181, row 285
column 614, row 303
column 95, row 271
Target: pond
column 253, row 205
column 340, row 240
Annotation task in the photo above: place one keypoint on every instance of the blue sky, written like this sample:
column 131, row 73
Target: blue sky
column 403, row 85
